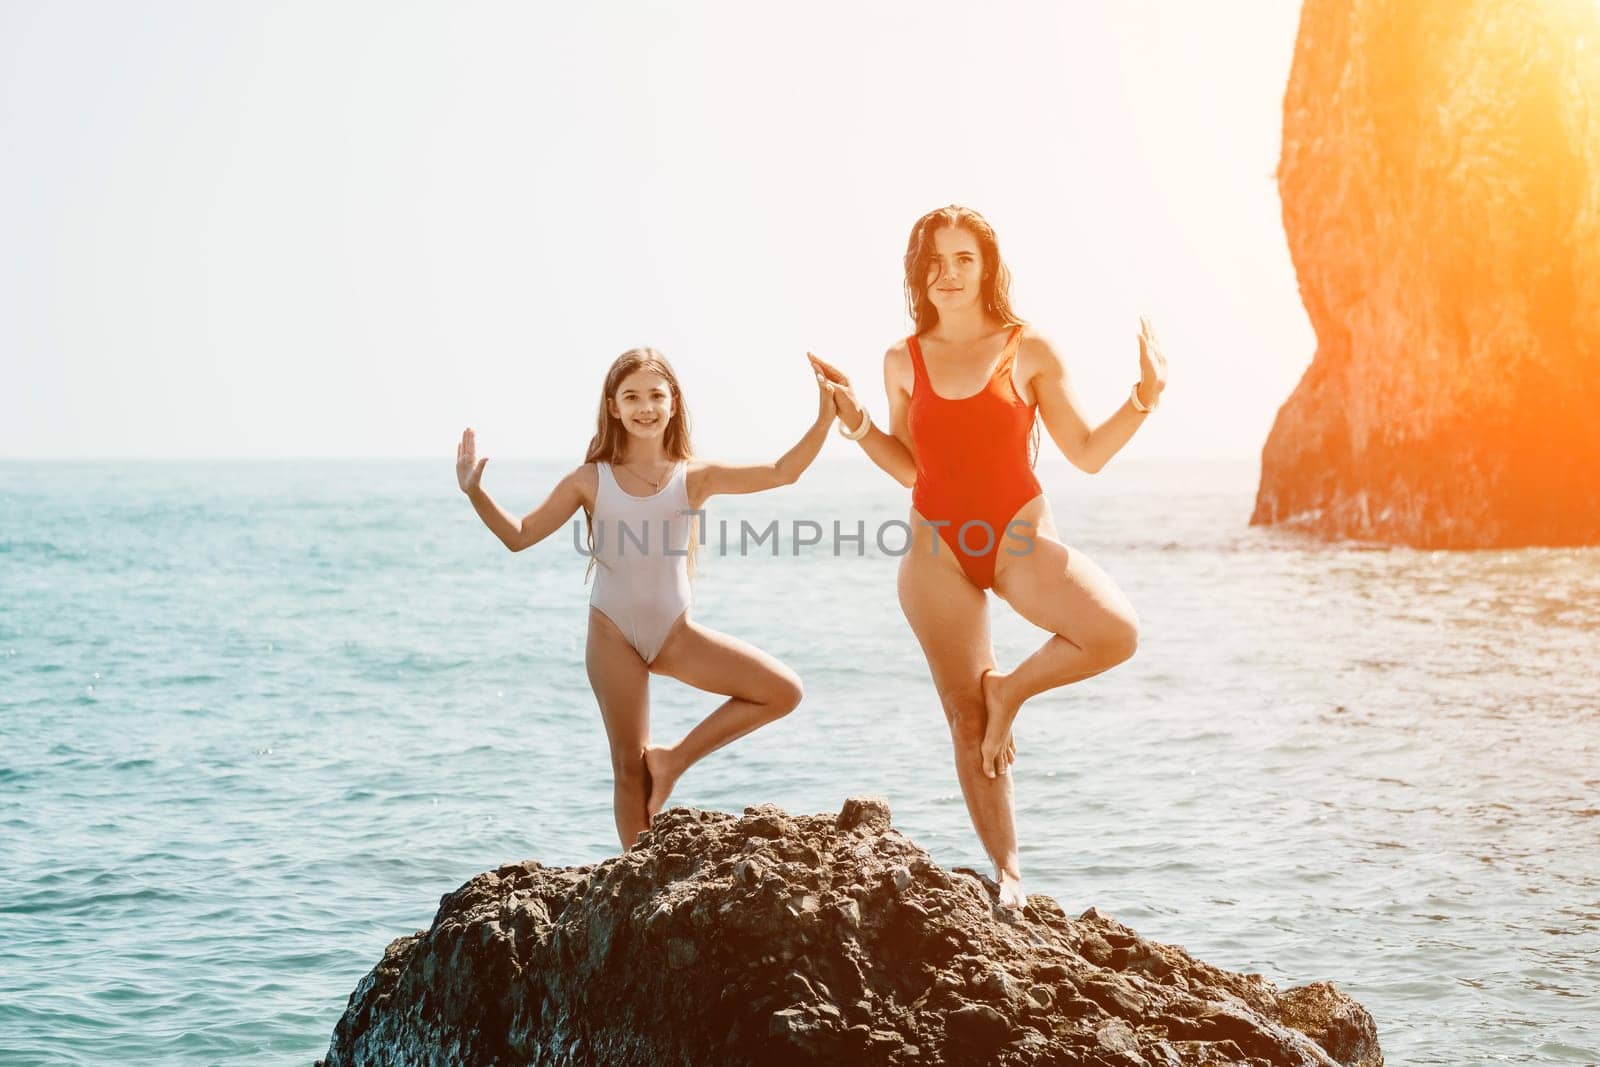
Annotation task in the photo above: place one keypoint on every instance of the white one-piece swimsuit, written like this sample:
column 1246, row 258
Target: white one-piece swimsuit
column 641, row 549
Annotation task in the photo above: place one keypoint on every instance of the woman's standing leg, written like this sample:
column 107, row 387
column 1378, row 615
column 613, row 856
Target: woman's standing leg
column 1060, row 590
column 621, row 684
column 950, row 617
column 759, row 689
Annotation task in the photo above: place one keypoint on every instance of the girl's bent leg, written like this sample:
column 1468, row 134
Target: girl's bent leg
column 621, row 684
column 759, row 690
column 950, row 617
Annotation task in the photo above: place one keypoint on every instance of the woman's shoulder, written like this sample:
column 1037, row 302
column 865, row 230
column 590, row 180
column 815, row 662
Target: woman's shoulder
column 897, row 369
column 1034, row 347
column 1037, row 359
column 897, row 358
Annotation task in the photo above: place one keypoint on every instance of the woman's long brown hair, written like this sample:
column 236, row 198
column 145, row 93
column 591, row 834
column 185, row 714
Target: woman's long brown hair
column 994, row 289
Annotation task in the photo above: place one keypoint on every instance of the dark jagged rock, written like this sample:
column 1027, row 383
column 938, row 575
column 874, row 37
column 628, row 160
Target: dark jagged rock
column 776, row 939
column 1439, row 173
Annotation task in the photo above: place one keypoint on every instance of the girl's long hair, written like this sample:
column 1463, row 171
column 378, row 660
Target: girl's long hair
column 994, row 289
column 610, row 441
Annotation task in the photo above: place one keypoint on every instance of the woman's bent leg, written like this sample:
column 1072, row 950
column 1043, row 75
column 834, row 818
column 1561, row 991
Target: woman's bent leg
column 1093, row 628
column 621, row 684
column 758, row 687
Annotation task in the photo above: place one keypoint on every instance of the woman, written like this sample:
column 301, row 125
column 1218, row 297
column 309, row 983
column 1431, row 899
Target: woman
column 963, row 391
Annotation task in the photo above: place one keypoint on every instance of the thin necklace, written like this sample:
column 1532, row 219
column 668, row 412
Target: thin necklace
column 655, row 486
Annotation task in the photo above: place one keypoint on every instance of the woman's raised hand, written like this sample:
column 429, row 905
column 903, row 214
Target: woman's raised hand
column 839, row 386
column 1152, row 364
column 469, row 468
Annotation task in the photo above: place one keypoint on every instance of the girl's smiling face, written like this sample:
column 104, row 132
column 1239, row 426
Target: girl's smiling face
column 643, row 403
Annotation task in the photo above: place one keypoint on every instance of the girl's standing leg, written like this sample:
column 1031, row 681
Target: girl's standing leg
column 759, row 690
column 950, row 617
column 621, row 684
column 1062, row 591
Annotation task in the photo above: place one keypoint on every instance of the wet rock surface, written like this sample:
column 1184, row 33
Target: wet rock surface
column 781, row 939
column 1439, row 173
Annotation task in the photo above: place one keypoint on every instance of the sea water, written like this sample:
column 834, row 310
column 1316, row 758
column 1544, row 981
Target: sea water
column 256, row 718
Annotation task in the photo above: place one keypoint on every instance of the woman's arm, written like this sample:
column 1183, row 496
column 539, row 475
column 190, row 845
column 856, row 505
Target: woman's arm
column 712, row 479
column 544, row 520
column 1090, row 449
column 891, row 451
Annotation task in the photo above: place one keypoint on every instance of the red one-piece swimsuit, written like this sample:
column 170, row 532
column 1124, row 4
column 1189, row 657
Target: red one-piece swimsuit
column 972, row 462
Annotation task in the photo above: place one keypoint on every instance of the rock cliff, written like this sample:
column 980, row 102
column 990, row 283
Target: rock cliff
column 1440, row 180
column 776, row 939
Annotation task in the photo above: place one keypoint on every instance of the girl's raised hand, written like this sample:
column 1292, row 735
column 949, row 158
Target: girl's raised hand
column 844, row 398
column 469, row 468
column 1152, row 364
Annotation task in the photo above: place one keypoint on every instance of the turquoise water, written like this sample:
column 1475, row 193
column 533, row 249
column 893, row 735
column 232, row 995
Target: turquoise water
column 256, row 718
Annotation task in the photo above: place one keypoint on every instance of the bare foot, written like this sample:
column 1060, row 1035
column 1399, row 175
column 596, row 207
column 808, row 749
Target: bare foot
column 1012, row 898
column 999, row 751
column 663, row 771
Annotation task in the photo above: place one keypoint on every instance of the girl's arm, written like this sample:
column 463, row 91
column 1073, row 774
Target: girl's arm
column 1091, row 449
column 544, row 520
column 891, row 451
column 711, row 479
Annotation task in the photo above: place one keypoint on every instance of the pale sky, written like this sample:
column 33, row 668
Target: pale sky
column 319, row 229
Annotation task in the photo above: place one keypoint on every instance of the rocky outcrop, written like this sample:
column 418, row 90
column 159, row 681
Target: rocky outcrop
column 1440, row 180
column 773, row 939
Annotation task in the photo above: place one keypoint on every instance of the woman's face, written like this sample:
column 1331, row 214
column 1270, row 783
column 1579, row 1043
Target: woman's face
column 644, row 403
column 955, row 271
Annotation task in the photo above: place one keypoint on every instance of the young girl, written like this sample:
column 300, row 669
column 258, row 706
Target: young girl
column 637, row 485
